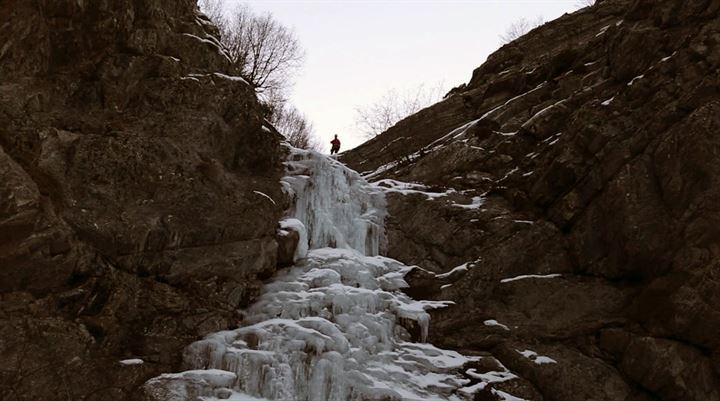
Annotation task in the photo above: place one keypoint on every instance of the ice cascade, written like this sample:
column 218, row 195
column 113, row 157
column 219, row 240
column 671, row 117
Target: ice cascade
column 338, row 208
column 335, row 326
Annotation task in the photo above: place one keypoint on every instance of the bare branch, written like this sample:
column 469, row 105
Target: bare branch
column 214, row 10
column 375, row 118
column 295, row 127
column 520, row 28
column 266, row 53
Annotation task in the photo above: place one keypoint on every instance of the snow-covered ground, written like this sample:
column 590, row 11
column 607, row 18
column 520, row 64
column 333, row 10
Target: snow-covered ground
column 336, row 326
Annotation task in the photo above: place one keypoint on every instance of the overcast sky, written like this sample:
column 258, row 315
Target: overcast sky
column 357, row 50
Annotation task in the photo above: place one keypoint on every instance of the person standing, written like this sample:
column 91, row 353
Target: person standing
column 335, row 145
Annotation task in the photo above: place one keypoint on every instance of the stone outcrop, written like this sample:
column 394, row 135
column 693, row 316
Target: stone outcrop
column 587, row 149
column 139, row 194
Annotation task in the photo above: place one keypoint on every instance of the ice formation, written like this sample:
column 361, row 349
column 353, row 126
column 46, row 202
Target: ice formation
column 337, row 206
column 333, row 327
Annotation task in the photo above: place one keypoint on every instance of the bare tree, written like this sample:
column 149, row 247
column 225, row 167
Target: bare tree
column 520, row 28
column 375, row 118
column 295, row 127
column 266, row 53
column 214, row 9
column 584, row 3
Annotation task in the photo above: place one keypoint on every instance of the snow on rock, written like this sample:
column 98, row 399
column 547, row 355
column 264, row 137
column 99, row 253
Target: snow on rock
column 212, row 41
column 232, row 78
column 486, row 379
column 492, row 376
column 603, row 30
column 408, row 188
column 533, row 356
column 290, row 224
column 529, row 276
column 476, row 202
column 230, row 395
column 130, row 362
column 632, row 81
column 337, row 206
column 456, row 270
column 508, row 102
column 493, row 322
column 505, row 396
column 189, row 385
column 542, row 112
column 664, row 59
column 264, row 195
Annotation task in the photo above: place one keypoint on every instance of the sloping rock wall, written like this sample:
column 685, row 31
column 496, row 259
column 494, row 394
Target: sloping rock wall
column 133, row 173
column 588, row 149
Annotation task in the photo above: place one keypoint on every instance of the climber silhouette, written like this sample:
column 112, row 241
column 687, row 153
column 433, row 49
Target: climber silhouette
column 335, row 145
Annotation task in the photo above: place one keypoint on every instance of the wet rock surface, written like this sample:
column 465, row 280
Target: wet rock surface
column 135, row 177
column 568, row 204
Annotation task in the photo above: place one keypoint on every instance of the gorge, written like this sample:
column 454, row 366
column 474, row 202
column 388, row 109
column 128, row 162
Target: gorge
column 548, row 231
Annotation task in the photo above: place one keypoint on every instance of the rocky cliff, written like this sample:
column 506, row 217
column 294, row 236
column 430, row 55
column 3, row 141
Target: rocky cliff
column 570, row 193
column 139, row 194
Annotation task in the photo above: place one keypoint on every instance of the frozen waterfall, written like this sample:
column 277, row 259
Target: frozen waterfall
column 338, row 208
column 336, row 325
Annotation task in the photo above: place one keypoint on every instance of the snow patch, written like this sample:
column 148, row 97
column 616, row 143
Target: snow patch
column 632, row 82
column 409, row 188
column 506, row 397
column 603, row 30
column 538, row 359
column 212, row 42
column 540, row 113
column 296, row 225
column 231, row 78
column 664, row 59
column 493, row 322
column 476, row 202
column 530, row 276
column 264, row 195
column 462, row 268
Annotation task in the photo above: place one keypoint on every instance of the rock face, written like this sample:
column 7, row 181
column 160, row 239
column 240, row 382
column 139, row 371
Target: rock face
column 587, row 149
column 139, row 194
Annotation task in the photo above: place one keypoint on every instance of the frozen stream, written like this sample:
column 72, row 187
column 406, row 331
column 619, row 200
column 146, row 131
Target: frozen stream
column 334, row 326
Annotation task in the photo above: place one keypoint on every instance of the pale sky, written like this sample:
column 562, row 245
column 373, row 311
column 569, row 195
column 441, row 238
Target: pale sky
column 357, row 50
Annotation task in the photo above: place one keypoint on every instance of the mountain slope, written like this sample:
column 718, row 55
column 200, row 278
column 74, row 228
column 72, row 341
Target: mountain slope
column 574, row 182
